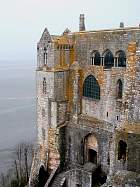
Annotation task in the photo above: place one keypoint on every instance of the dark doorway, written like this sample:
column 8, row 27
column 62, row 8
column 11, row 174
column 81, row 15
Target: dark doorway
column 122, row 150
column 92, row 156
column 98, row 177
column 42, row 178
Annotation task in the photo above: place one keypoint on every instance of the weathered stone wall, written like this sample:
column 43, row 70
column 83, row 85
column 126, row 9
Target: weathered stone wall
column 75, row 142
column 133, row 152
column 108, row 98
column 65, row 118
column 79, row 178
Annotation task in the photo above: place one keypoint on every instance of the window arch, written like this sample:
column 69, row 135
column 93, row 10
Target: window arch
column 91, row 149
column 45, row 56
column 91, row 88
column 95, row 58
column 119, row 89
column 121, row 58
column 122, row 147
column 44, row 86
column 108, row 59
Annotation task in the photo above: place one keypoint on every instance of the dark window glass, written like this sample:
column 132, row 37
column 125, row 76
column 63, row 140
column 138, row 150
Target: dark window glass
column 91, row 88
column 97, row 59
column 121, row 59
column 108, row 60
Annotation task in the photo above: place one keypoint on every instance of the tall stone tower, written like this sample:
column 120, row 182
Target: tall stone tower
column 53, row 59
column 82, row 22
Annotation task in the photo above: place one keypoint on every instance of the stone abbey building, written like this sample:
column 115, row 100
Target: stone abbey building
column 88, row 109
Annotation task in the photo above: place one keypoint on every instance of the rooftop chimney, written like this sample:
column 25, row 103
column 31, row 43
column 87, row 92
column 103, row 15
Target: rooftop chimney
column 81, row 23
column 121, row 25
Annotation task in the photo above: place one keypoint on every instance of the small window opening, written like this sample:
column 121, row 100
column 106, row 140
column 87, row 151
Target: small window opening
column 119, row 89
column 108, row 159
column 107, row 114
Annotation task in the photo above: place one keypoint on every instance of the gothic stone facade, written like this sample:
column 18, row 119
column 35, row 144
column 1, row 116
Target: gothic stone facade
column 88, row 108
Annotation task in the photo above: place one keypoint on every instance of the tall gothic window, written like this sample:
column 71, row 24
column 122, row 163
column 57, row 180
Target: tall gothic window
column 108, row 59
column 45, row 56
column 121, row 59
column 91, row 88
column 95, row 58
column 44, row 86
column 119, row 89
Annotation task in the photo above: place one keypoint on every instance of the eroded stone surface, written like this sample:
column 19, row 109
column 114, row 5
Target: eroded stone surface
column 65, row 118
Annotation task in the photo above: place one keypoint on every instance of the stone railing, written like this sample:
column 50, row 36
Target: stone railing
column 51, row 177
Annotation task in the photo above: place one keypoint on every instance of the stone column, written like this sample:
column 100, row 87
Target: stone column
column 103, row 61
column 112, row 154
column 76, row 98
column 129, row 84
column 76, row 101
column 117, row 62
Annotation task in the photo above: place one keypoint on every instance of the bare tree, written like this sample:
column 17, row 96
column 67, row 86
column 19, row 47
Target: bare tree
column 18, row 174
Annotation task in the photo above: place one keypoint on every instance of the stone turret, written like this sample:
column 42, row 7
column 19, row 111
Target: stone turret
column 81, row 23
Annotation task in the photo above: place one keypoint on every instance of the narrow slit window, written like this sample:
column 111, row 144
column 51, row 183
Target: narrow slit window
column 119, row 89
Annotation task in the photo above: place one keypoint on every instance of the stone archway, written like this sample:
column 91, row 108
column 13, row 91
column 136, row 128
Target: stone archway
column 91, row 149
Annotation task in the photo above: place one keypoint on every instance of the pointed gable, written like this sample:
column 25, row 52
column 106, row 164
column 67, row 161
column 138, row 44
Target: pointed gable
column 46, row 37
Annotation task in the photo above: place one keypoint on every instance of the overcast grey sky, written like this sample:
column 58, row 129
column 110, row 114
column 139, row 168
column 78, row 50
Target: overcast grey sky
column 23, row 21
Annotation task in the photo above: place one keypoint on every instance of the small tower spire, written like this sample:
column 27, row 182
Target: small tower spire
column 82, row 22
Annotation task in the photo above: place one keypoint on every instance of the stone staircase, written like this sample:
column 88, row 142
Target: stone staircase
column 58, row 180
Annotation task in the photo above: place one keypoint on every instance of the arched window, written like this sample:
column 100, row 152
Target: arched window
column 122, row 146
column 121, row 59
column 44, row 86
column 108, row 59
column 119, row 89
column 95, row 58
column 45, row 56
column 91, row 88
